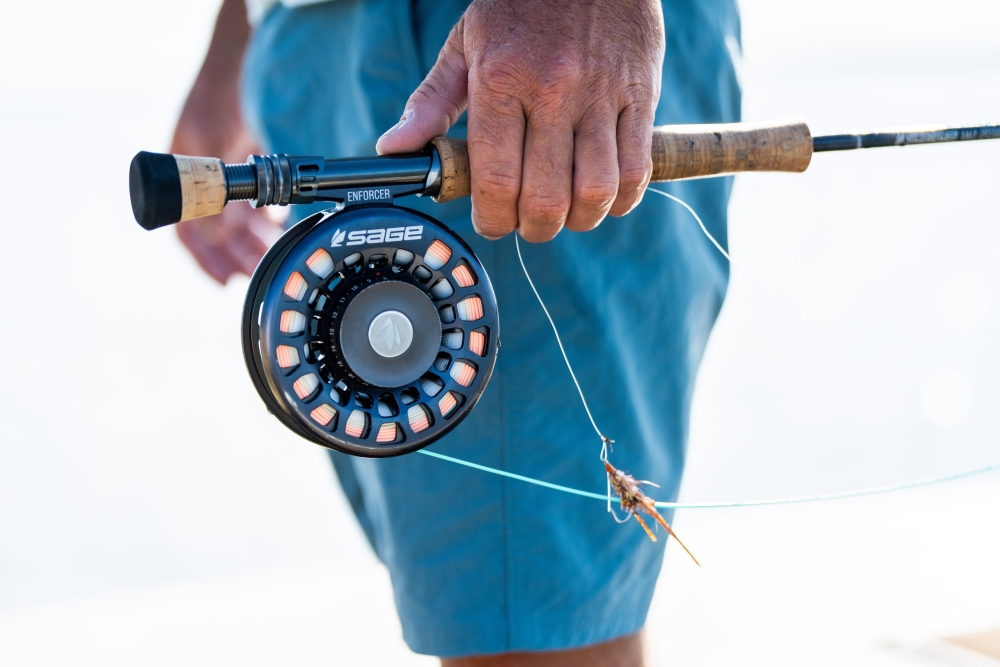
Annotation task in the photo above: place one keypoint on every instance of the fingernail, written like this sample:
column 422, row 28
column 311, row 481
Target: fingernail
column 392, row 130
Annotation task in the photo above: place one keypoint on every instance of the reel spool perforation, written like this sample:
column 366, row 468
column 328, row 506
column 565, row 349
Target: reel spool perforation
column 314, row 297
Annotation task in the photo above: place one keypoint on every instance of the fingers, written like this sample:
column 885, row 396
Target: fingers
column 547, row 177
column 560, row 177
column 245, row 251
column 557, row 137
column 213, row 261
column 435, row 105
column 595, row 174
column 225, row 244
column 496, row 147
column 539, row 168
column 635, row 163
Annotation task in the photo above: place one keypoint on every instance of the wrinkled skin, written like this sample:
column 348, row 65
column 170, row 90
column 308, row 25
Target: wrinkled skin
column 560, row 95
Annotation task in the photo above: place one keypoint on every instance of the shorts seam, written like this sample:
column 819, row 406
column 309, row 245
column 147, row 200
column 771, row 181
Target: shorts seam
column 503, row 489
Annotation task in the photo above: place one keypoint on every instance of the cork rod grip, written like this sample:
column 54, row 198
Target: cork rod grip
column 203, row 186
column 691, row 151
column 456, row 177
column 678, row 151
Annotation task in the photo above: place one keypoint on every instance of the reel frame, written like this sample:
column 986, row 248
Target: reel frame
column 349, row 399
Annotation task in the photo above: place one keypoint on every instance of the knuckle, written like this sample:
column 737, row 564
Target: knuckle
column 547, row 210
column 497, row 184
column 435, row 92
column 597, row 193
column 560, row 76
column 641, row 93
column 431, row 88
column 554, row 85
column 502, row 76
column 547, row 82
column 634, row 174
column 426, row 92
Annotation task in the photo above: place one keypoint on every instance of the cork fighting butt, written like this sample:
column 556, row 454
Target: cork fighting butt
column 170, row 188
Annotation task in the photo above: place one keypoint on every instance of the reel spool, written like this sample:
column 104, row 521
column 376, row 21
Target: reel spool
column 371, row 330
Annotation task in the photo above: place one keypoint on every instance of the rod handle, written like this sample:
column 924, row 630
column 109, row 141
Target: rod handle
column 678, row 151
column 172, row 188
column 456, row 176
column 692, row 151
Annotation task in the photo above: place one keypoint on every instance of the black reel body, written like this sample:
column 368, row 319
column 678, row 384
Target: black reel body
column 371, row 330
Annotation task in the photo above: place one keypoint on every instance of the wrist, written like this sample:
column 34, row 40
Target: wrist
column 210, row 123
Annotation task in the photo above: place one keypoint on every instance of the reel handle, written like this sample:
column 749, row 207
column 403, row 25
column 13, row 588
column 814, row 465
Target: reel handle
column 679, row 151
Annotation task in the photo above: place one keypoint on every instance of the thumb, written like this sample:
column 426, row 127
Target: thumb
column 436, row 104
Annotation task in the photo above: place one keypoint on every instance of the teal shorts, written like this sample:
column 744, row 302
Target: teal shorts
column 479, row 563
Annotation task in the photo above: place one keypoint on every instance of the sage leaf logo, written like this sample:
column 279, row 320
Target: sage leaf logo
column 390, row 335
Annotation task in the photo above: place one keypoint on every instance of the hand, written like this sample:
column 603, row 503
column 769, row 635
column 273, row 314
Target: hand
column 211, row 125
column 232, row 241
column 228, row 243
column 561, row 96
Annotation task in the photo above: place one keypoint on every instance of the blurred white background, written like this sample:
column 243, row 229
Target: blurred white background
column 150, row 514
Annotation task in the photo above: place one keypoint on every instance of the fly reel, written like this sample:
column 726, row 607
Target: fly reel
column 372, row 330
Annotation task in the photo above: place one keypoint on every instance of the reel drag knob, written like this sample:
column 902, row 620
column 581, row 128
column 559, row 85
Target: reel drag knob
column 390, row 333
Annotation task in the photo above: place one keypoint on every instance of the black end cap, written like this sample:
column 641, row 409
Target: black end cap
column 154, row 185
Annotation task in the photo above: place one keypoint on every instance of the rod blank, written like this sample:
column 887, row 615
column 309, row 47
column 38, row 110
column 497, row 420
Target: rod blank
column 903, row 137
